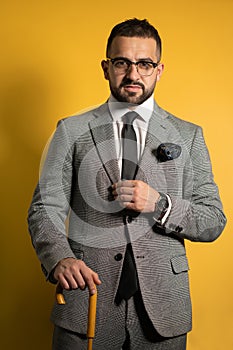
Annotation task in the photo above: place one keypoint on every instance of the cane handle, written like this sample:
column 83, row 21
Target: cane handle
column 59, row 296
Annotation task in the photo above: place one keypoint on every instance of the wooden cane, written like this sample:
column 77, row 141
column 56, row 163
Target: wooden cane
column 91, row 313
column 91, row 319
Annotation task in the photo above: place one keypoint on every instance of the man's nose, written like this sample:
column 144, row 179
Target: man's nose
column 132, row 72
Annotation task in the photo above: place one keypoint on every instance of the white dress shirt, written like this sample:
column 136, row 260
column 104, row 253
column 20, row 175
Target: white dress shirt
column 118, row 110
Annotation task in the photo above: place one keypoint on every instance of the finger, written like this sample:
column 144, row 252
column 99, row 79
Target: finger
column 95, row 281
column 67, row 281
column 124, row 183
column 128, row 205
column 127, row 183
column 71, row 278
column 91, row 286
column 96, row 278
column 124, row 198
column 80, row 279
column 123, row 190
column 89, row 279
column 63, row 283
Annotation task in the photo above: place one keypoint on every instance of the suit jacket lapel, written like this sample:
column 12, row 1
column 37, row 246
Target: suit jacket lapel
column 160, row 130
column 156, row 134
column 103, row 136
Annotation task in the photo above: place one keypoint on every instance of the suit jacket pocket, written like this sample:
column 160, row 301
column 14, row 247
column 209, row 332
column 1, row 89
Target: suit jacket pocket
column 179, row 264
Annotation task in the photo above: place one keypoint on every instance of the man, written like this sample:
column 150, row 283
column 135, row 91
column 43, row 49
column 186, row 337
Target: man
column 135, row 182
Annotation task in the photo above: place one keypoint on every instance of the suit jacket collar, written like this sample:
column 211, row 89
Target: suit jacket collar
column 158, row 126
column 103, row 136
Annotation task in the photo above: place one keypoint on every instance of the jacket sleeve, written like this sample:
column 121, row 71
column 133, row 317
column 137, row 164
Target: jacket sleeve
column 50, row 204
column 198, row 215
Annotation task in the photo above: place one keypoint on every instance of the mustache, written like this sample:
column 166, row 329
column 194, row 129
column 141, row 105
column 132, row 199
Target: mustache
column 131, row 82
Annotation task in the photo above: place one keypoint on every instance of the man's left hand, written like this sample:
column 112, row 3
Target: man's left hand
column 135, row 195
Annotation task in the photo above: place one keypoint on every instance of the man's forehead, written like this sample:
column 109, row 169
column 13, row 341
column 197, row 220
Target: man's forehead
column 139, row 45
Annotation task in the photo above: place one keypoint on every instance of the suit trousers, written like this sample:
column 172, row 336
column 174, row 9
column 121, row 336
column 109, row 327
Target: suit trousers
column 129, row 329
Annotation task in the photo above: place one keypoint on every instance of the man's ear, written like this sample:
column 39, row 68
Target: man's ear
column 104, row 65
column 160, row 69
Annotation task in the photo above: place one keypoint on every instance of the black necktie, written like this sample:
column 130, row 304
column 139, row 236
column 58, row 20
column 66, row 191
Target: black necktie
column 129, row 145
column 128, row 285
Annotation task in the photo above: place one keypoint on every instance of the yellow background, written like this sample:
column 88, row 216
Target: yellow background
column 50, row 67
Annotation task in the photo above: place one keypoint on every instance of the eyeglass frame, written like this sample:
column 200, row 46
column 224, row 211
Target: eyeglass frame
column 154, row 64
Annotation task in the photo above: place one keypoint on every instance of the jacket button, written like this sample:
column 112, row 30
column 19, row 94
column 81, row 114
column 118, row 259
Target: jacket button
column 179, row 229
column 118, row 257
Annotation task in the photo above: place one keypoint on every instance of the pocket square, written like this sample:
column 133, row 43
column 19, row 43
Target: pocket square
column 168, row 151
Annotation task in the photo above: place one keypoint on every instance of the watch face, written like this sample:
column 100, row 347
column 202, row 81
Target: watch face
column 161, row 207
column 162, row 204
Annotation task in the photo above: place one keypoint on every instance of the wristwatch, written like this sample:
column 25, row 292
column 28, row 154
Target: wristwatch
column 161, row 207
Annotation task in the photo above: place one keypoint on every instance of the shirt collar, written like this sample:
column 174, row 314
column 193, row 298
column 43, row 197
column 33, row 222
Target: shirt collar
column 118, row 109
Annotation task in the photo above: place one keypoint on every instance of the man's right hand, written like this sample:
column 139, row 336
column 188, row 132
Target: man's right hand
column 74, row 273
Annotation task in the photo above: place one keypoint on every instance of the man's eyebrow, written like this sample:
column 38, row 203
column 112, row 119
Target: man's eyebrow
column 147, row 59
column 121, row 58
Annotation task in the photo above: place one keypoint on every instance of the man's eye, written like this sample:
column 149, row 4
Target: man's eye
column 145, row 65
column 120, row 64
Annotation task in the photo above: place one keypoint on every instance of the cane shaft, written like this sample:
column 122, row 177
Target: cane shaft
column 92, row 315
column 90, row 343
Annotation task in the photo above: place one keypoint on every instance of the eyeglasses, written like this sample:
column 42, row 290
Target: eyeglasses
column 121, row 66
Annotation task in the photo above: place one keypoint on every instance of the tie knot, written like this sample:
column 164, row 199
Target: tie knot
column 129, row 117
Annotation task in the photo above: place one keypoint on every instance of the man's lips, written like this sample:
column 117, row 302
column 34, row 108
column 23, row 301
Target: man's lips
column 132, row 87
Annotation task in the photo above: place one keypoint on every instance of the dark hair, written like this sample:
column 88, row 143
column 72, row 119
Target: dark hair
column 135, row 28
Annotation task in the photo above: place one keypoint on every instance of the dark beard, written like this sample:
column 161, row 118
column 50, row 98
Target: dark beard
column 116, row 92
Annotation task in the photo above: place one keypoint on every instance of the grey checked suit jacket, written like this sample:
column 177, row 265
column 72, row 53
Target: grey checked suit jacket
column 76, row 180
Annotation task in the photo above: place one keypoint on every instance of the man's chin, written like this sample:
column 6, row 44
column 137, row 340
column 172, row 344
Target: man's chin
column 132, row 98
column 135, row 99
